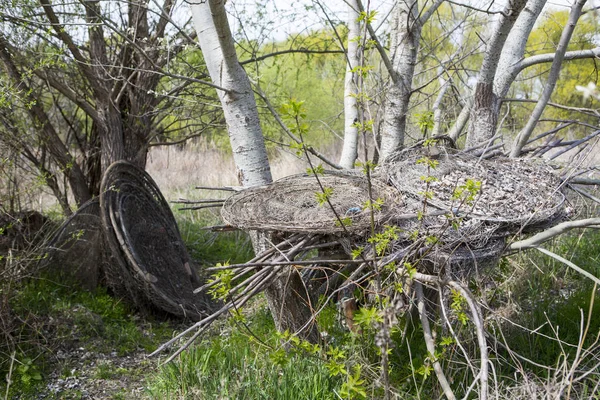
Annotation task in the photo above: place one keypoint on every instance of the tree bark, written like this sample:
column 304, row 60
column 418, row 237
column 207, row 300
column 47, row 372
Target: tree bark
column 484, row 115
column 406, row 33
column 287, row 297
column 514, row 49
column 407, row 23
column 350, row 145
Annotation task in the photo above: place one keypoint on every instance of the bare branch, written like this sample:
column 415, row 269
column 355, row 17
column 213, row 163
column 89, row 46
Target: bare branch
column 382, row 53
column 553, row 232
column 481, row 10
column 289, row 51
column 561, row 49
column 549, row 57
column 290, row 134
column 569, row 264
column 430, row 344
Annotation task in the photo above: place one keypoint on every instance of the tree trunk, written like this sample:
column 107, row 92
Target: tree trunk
column 484, row 115
column 514, row 49
column 287, row 296
column 406, row 33
column 350, row 145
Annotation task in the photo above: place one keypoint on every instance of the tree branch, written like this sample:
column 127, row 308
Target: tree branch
column 550, row 233
column 561, row 49
column 291, row 135
column 549, row 57
column 289, row 51
column 382, row 53
column 569, row 264
column 430, row 344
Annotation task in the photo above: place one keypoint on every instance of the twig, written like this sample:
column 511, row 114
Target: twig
column 575, row 144
column 204, row 201
column 584, row 181
column 430, row 344
column 291, row 135
column 585, row 194
column 479, row 328
column 219, row 228
column 216, row 205
column 299, row 262
column 451, row 329
column 223, row 188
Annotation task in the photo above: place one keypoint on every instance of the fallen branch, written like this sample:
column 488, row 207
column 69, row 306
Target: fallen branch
column 556, row 230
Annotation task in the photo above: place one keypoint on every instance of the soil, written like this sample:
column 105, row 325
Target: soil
column 82, row 374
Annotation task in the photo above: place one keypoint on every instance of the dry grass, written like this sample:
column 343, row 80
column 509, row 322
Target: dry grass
column 178, row 170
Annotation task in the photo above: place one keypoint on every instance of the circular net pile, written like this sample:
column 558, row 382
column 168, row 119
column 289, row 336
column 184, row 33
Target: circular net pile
column 153, row 266
column 514, row 196
column 77, row 250
column 296, row 204
column 519, row 192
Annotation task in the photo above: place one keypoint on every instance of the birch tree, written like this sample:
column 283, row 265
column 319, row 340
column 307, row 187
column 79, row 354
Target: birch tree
column 287, row 296
column 561, row 49
column 350, row 144
column 407, row 23
column 484, row 116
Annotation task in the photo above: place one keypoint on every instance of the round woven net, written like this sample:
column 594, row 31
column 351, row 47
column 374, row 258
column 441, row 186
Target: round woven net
column 297, row 204
column 513, row 196
column 517, row 191
column 153, row 266
column 77, row 250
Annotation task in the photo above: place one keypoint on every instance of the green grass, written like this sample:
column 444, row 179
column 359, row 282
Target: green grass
column 207, row 247
column 235, row 365
column 56, row 316
column 232, row 363
column 553, row 300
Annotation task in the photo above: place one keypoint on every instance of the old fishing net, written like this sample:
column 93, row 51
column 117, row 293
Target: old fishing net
column 518, row 192
column 298, row 204
column 153, row 266
column 77, row 250
column 509, row 197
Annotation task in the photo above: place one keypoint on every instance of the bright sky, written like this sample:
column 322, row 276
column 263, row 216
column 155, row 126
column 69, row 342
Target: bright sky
column 276, row 19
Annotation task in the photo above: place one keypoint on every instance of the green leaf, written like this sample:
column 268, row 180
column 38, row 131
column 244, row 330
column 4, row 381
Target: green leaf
column 324, row 196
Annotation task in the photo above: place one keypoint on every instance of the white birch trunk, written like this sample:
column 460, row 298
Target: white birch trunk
column 438, row 108
column 406, row 32
column 350, row 146
column 407, row 23
column 461, row 120
column 484, row 115
column 561, row 49
column 286, row 296
column 237, row 98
